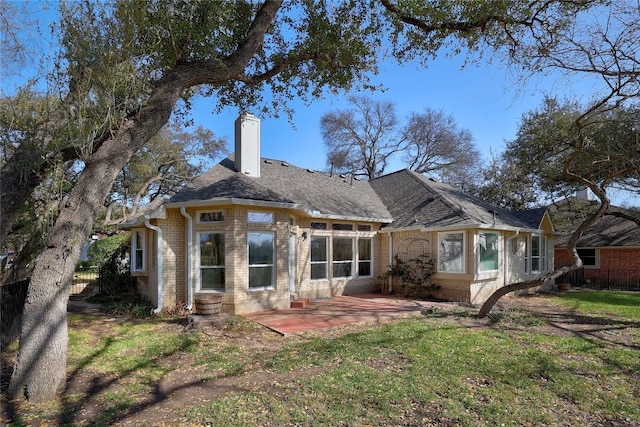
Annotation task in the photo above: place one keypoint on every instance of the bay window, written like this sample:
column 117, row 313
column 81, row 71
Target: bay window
column 261, row 259
column 211, row 261
column 451, row 252
column 488, row 253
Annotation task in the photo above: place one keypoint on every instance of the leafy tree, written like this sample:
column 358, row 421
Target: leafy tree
column 566, row 146
column 361, row 141
column 167, row 162
column 125, row 65
column 505, row 183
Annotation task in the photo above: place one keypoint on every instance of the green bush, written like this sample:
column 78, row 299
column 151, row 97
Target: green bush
column 104, row 250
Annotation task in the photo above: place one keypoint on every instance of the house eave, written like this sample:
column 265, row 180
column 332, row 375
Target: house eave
column 158, row 213
column 460, row 227
column 281, row 205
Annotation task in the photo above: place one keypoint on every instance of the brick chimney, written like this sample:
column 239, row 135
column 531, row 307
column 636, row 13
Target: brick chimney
column 247, row 145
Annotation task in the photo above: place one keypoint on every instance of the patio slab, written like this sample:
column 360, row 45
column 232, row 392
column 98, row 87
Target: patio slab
column 324, row 313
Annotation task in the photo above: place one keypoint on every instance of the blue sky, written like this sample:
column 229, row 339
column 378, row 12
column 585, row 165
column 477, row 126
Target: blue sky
column 482, row 98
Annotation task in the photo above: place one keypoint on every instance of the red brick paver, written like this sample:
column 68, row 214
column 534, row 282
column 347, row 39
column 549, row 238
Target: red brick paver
column 326, row 313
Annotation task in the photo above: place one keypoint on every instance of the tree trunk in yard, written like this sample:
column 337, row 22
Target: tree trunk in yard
column 41, row 363
column 571, row 247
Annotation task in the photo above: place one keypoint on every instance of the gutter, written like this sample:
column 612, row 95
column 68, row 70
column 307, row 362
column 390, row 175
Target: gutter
column 184, row 213
column 158, row 230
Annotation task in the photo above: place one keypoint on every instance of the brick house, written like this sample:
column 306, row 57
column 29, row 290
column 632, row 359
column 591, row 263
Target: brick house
column 261, row 233
column 610, row 250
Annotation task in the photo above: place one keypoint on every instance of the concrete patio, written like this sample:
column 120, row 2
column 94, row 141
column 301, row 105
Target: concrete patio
column 324, row 313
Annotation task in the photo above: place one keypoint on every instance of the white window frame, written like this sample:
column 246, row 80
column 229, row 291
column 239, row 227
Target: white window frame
column 138, row 246
column 271, row 265
column 335, row 263
column 596, row 258
column 527, row 247
column 478, row 260
column 537, row 257
column 326, row 257
column 463, row 256
column 544, row 254
column 200, row 266
column 368, row 261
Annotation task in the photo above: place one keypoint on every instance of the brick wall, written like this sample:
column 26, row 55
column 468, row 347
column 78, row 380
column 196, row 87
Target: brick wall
column 626, row 259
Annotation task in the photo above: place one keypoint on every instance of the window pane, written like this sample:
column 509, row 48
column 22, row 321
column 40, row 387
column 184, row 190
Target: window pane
column 342, row 269
column 535, row 253
column 342, row 249
column 260, row 277
column 364, row 257
column 318, row 225
column 319, row 271
column 138, row 251
column 212, row 278
column 212, row 249
column 588, row 257
column 260, row 217
column 211, row 216
column 347, row 227
column 139, row 260
column 364, row 249
column 260, row 259
column 451, row 252
column 260, row 248
column 318, row 249
column 488, row 249
column 362, row 227
column 364, row 268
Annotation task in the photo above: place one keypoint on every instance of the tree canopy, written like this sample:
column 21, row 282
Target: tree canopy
column 125, row 67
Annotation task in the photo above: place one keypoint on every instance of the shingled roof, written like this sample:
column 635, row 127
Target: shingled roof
column 532, row 217
column 610, row 231
column 318, row 193
column 416, row 201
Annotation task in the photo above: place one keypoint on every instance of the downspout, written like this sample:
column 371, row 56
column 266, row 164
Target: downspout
column 184, row 213
column 158, row 230
column 390, row 280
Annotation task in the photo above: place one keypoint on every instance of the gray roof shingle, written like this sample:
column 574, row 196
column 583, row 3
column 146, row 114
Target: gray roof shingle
column 319, row 193
column 609, row 231
column 415, row 200
column 404, row 198
column 532, row 217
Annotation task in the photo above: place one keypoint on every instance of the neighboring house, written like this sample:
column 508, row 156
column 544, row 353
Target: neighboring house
column 610, row 250
column 261, row 233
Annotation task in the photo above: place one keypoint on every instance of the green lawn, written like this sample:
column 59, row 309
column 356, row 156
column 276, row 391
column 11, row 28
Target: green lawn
column 443, row 368
column 623, row 304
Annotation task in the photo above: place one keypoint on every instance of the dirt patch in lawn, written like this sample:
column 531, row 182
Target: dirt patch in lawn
column 189, row 384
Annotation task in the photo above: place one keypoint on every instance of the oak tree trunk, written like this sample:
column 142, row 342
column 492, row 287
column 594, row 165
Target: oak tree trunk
column 41, row 364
